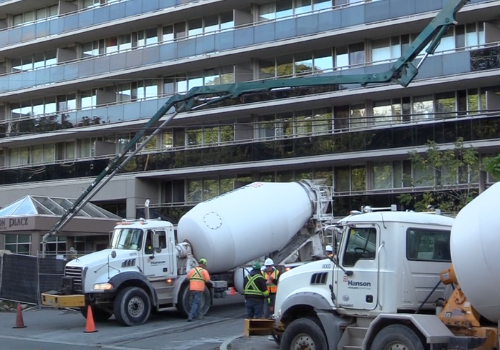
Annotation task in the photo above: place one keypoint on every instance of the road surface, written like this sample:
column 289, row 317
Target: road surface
column 64, row 329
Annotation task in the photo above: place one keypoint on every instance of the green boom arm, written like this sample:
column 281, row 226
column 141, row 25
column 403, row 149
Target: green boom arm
column 402, row 71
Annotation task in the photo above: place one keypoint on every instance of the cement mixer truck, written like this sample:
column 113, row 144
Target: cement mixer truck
column 392, row 285
column 145, row 268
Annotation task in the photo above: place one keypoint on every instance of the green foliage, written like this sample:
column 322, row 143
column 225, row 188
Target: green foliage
column 492, row 165
column 448, row 175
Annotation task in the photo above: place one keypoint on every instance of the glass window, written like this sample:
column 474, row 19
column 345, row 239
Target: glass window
column 381, row 51
column 195, row 79
column 342, row 179
column 284, row 8
column 284, row 66
column 226, row 20
column 267, row 69
column 357, row 54
column 423, row 107
column 303, row 121
column 195, row 26
column 211, row 23
column 428, row 245
column 382, row 112
column 168, row 33
column 211, row 76
column 303, row 63
column 195, row 137
column 111, row 44
column 284, row 124
column 323, row 61
column 358, row 178
column 446, row 104
column 358, row 116
column 302, row 6
column 321, row 4
column 124, row 42
column 267, row 11
column 211, row 135
column 382, row 175
column 210, row 188
column 227, row 74
column 341, row 57
column 194, row 191
column 266, row 126
column 361, row 245
column 37, row 154
column 322, row 123
column 447, row 41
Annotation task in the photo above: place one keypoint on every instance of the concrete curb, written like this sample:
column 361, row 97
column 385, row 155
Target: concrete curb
column 228, row 341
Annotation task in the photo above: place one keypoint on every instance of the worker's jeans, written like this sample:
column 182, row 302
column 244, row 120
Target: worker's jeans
column 255, row 307
column 267, row 312
column 195, row 306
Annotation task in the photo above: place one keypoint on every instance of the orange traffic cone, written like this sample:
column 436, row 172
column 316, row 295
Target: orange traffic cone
column 19, row 318
column 232, row 291
column 90, row 327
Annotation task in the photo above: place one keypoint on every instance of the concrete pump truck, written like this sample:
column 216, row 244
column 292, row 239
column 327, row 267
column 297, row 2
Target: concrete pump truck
column 131, row 279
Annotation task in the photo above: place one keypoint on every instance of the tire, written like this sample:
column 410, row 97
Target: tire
column 132, row 306
column 303, row 333
column 184, row 301
column 397, row 337
column 99, row 315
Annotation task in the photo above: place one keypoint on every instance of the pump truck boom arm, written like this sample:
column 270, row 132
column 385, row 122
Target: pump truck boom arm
column 402, row 71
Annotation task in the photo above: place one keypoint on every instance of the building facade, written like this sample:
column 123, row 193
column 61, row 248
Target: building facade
column 79, row 78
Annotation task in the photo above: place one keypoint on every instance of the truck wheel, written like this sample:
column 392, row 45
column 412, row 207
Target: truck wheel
column 396, row 337
column 303, row 333
column 99, row 315
column 132, row 306
column 184, row 301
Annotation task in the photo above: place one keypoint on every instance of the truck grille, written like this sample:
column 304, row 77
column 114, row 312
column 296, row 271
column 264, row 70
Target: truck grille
column 76, row 273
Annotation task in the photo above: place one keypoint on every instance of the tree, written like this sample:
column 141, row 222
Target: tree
column 450, row 174
column 492, row 165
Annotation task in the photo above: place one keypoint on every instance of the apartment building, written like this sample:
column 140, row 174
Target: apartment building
column 79, row 78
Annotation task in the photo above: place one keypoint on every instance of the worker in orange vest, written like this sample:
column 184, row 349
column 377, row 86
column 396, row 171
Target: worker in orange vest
column 198, row 277
column 271, row 274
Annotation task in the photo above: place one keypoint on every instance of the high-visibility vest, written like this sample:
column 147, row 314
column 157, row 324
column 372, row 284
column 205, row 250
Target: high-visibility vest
column 251, row 287
column 196, row 280
column 197, row 276
column 272, row 288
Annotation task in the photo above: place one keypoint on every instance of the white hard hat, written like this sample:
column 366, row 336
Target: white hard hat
column 329, row 248
column 269, row 262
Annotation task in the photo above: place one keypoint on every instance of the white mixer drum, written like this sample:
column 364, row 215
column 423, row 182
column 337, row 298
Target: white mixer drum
column 244, row 224
column 475, row 252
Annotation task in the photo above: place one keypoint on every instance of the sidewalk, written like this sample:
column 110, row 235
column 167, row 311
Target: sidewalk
column 255, row 342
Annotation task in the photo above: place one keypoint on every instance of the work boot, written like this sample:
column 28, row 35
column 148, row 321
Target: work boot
column 189, row 320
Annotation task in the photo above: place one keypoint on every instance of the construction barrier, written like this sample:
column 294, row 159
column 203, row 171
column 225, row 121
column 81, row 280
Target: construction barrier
column 24, row 277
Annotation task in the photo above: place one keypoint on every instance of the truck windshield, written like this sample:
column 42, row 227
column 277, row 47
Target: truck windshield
column 127, row 238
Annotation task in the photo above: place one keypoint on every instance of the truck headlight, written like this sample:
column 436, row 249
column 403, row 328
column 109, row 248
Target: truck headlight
column 103, row 286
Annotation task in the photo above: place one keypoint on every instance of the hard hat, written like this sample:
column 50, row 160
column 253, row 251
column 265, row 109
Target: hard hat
column 203, row 261
column 269, row 262
column 329, row 248
column 256, row 265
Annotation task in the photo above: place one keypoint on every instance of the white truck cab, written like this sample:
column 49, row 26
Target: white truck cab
column 388, row 263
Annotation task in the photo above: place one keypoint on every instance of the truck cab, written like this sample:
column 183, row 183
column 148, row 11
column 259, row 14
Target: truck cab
column 143, row 270
column 388, row 263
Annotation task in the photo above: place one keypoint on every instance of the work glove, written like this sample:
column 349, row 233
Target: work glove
column 269, row 300
column 271, row 309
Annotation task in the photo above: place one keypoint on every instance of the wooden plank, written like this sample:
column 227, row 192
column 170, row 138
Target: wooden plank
column 258, row 327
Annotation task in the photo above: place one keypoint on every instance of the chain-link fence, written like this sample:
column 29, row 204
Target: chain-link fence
column 23, row 277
